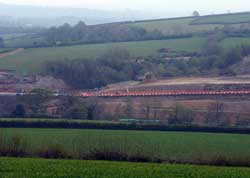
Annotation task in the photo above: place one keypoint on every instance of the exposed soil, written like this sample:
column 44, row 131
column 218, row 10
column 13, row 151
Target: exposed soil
column 188, row 83
column 2, row 55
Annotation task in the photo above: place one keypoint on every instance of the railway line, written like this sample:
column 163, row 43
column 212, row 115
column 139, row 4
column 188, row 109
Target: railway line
column 164, row 93
column 140, row 93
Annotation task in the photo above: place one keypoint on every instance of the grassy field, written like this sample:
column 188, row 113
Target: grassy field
column 193, row 24
column 22, row 40
column 31, row 60
column 175, row 26
column 3, row 50
column 40, row 168
column 233, row 42
column 174, row 146
column 224, row 19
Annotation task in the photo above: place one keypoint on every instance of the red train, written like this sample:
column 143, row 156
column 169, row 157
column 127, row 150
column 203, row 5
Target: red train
column 163, row 93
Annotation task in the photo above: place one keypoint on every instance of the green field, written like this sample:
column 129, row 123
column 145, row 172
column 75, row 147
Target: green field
column 233, row 42
column 177, row 146
column 3, row 50
column 224, row 19
column 40, row 168
column 193, row 24
column 31, row 60
column 175, row 26
column 22, row 40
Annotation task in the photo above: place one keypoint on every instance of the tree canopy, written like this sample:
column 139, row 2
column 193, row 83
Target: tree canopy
column 1, row 43
column 81, row 34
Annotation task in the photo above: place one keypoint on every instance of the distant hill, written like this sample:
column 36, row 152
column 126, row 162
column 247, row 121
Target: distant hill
column 24, row 15
column 190, row 24
column 235, row 29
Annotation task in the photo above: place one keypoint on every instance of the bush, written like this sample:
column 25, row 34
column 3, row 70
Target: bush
column 53, row 151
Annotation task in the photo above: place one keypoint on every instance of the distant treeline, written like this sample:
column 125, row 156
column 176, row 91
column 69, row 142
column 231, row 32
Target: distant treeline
column 123, row 32
column 117, row 65
column 83, row 34
column 74, row 124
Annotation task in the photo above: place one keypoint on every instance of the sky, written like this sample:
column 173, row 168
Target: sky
column 212, row 6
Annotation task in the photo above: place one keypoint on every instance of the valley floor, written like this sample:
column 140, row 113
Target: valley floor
column 41, row 168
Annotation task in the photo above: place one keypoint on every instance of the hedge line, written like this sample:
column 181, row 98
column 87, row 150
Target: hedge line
column 67, row 124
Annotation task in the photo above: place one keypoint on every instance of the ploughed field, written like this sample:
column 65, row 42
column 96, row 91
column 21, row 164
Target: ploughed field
column 40, row 168
column 150, row 146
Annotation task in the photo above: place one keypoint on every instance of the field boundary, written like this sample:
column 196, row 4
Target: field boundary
column 69, row 124
column 186, row 17
column 9, row 53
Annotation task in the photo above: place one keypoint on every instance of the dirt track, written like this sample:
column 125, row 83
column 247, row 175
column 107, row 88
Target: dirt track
column 186, row 84
column 2, row 55
column 200, row 80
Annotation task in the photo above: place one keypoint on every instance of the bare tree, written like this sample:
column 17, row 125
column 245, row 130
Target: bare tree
column 180, row 115
column 147, row 109
column 215, row 114
column 129, row 109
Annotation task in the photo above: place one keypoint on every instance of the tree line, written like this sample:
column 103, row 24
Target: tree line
column 1, row 43
column 114, row 66
column 117, row 65
column 83, row 34
column 150, row 111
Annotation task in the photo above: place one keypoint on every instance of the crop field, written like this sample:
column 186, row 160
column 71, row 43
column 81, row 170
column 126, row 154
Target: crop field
column 41, row 168
column 174, row 146
column 31, row 60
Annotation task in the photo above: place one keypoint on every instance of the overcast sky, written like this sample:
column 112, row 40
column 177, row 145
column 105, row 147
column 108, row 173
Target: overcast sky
column 168, row 5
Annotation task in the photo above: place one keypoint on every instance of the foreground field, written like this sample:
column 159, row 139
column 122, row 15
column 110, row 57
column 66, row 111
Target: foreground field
column 128, row 145
column 39, row 168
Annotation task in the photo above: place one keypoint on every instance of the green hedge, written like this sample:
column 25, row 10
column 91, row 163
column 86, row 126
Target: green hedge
column 76, row 124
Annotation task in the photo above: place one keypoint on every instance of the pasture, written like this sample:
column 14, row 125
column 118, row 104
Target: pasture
column 41, row 168
column 193, row 24
column 236, row 18
column 181, row 147
column 31, row 60
column 22, row 40
column 175, row 26
column 233, row 42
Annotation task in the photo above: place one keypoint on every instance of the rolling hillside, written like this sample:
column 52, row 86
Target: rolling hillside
column 31, row 60
column 173, row 26
column 193, row 24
